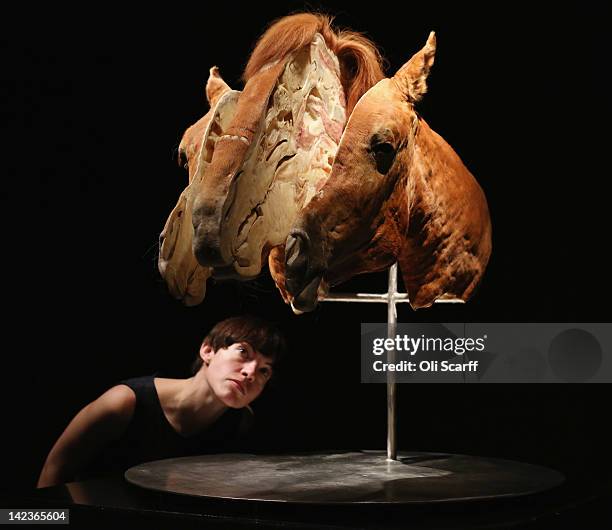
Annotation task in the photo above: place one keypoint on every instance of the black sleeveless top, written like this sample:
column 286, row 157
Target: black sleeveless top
column 149, row 436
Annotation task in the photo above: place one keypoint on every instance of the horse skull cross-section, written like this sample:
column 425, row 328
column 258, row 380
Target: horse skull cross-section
column 277, row 152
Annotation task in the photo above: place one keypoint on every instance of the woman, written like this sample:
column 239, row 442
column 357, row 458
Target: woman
column 150, row 418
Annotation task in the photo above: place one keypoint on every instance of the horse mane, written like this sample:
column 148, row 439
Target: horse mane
column 361, row 64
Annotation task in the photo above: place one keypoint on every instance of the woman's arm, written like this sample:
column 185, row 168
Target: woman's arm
column 101, row 421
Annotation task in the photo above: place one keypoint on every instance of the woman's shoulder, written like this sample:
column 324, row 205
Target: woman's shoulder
column 114, row 408
column 120, row 399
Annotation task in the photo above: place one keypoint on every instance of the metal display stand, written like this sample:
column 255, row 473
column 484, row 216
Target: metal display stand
column 391, row 298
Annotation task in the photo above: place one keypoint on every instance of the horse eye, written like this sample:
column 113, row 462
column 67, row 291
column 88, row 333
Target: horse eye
column 384, row 154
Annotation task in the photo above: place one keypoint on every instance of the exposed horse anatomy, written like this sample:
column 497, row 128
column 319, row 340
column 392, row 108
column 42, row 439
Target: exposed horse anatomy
column 259, row 156
column 185, row 277
column 397, row 192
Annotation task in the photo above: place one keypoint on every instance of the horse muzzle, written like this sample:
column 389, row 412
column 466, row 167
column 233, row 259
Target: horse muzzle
column 304, row 271
column 209, row 246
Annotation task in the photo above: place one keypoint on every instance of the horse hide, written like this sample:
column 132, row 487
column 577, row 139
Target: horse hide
column 397, row 192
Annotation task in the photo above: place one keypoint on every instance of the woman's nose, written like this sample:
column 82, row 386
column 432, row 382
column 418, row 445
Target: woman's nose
column 248, row 371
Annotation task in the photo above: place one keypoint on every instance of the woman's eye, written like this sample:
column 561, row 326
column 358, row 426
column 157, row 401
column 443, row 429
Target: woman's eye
column 265, row 371
column 384, row 154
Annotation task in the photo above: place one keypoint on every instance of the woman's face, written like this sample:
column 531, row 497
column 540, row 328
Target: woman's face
column 237, row 374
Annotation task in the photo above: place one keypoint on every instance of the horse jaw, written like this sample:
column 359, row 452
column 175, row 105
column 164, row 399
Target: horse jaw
column 448, row 242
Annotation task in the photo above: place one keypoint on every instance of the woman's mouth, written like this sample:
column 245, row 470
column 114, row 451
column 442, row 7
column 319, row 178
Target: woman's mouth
column 238, row 385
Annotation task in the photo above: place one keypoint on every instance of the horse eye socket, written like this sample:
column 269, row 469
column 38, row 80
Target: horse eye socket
column 384, row 154
column 182, row 159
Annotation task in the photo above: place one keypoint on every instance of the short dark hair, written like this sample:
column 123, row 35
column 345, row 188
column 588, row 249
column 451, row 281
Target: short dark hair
column 263, row 337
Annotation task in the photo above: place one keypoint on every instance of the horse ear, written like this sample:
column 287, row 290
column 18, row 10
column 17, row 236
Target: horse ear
column 412, row 77
column 215, row 87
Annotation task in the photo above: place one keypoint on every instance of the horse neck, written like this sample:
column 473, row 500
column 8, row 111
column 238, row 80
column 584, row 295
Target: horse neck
column 447, row 219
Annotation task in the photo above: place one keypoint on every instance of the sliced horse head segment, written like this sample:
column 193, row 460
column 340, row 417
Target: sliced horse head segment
column 185, row 277
column 277, row 152
column 397, row 192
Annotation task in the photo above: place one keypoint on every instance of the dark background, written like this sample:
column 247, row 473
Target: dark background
column 96, row 104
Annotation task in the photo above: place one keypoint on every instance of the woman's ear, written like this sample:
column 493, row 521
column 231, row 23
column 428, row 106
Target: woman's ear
column 206, row 352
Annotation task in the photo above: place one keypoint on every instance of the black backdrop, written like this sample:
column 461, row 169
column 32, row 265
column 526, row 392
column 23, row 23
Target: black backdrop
column 96, row 105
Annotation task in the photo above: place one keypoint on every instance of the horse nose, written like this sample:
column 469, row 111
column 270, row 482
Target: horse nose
column 296, row 259
column 207, row 238
column 207, row 248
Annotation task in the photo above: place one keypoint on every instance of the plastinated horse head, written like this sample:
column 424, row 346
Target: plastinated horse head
column 397, row 192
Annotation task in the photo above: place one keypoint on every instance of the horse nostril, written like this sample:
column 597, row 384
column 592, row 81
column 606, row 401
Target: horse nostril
column 162, row 237
column 296, row 260
column 291, row 250
column 296, row 250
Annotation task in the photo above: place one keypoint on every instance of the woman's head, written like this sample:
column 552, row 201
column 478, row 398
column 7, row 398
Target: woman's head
column 238, row 356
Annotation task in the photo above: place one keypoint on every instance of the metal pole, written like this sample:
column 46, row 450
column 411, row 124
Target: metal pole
column 391, row 385
column 391, row 297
